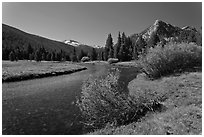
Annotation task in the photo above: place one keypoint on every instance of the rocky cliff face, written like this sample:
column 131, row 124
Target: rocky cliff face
column 167, row 32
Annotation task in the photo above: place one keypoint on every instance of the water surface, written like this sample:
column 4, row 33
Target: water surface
column 47, row 105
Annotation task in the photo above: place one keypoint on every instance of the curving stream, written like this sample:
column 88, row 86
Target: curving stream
column 46, row 106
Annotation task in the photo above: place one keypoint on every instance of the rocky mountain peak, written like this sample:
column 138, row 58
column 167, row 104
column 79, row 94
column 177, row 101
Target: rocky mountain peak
column 158, row 22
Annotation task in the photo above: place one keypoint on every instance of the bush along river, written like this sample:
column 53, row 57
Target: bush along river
column 47, row 106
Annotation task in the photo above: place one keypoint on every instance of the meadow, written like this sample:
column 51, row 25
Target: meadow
column 22, row 70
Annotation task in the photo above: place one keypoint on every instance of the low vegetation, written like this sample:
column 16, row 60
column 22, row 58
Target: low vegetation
column 171, row 104
column 22, row 70
column 171, row 58
column 180, row 111
column 103, row 102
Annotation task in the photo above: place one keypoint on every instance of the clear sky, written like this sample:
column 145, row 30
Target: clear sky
column 90, row 23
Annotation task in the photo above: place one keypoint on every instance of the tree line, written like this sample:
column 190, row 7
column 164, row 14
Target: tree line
column 127, row 48
column 41, row 54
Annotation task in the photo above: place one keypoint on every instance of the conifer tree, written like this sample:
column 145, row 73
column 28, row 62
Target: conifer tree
column 81, row 54
column 67, row 57
column 11, row 56
column 31, row 56
column 121, row 53
column 108, row 53
column 29, row 50
column 37, row 56
column 111, row 52
column 118, row 45
column 48, row 57
column 139, row 47
column 53, row 56
column 74, row 56
column 43, row 56
column 93, row 55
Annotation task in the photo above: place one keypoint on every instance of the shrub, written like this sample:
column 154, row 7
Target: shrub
column 85, row 59
column 171, row 58
column 102, row 102
column 112, row 60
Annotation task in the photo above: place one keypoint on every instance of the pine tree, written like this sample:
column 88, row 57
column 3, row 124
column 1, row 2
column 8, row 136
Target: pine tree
column 67, row 57
column 122, row 50
column 63, row 56
column 109, row 48
column 118, row 45
column 29, row 49
column 17, row 54
column 81, row 54
column 31, row 56
column 74, row 56
column 43, row 56
column 123, row 38
column 102, row 55
column 11, row 56
column 48, row 57
column 58, row 57
column 121, row 53
column 139, row 47
column 111, row 52
column 53, row 56
column 93, row 54
column 38, row 55
column 127, row 49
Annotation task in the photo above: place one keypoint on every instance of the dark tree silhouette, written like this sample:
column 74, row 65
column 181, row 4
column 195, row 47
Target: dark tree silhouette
column 109, row 48
column 74, row 56
column 11, row 56
column 117, row 46
column 93, row 54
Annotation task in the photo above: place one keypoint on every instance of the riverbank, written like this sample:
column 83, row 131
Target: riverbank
column 132, row 63
column 180, row 111
column 23, row 70
column 128, row 64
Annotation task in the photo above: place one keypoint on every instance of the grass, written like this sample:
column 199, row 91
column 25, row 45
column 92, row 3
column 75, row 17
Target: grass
column 180, row 121
column 172, row 58
column 22, row 70
column 181, row 106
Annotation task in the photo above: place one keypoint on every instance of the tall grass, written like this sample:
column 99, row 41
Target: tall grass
column 171, row 58
column 102, row 102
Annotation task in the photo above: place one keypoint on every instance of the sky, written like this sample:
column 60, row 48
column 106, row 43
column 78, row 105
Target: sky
column 90, row 23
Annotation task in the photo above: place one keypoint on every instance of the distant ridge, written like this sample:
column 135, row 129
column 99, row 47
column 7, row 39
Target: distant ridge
column 12, row 37
column 167, row 32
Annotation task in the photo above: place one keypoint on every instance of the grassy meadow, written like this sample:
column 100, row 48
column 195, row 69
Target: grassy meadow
column 165, row 98
column 22, row 70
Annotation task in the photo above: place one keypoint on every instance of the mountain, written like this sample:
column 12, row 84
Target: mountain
column 13, row 38
column 168, row 32
column 79, row 45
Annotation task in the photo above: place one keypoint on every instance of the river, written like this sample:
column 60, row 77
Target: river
column 46, row 106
